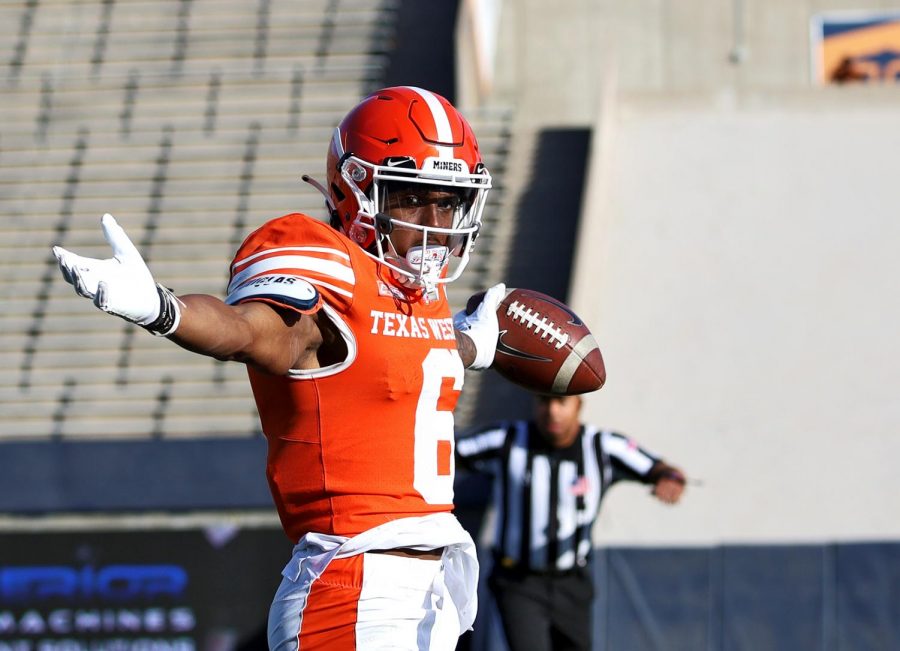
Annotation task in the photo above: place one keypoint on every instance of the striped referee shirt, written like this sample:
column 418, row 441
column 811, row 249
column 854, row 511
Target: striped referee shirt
column 547, row 499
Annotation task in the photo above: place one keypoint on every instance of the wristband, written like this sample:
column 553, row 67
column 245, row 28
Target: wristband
column 169, row 313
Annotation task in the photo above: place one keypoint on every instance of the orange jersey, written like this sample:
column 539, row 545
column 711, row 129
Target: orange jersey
column 369, row 439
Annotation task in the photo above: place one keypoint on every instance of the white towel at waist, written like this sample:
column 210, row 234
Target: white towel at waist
column 316, row 550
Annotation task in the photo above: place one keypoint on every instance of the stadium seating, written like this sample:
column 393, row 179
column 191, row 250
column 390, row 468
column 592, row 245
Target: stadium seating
column 191, row 121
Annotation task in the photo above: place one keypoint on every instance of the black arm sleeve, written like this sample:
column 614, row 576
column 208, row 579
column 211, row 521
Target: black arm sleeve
column 628, row 461
column 477, row 448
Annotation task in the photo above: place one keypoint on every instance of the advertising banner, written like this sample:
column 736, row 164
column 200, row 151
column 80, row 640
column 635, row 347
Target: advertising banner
column 172, row 590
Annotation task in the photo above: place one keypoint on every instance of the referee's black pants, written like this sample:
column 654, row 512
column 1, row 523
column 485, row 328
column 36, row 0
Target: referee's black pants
column 544, row 612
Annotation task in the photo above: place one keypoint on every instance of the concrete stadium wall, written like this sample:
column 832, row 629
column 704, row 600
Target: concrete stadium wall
column 737, row 259
column 552, row 57
column 738, row 263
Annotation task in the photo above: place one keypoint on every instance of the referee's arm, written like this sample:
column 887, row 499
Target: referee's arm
column 631, row 462
column 668, row 482
column 477, row 449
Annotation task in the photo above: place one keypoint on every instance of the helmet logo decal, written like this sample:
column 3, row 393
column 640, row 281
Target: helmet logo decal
column 445, row 165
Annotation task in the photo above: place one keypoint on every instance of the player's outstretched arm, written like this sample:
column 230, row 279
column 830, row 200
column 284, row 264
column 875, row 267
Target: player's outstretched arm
column 274, row 341
column 253, row 333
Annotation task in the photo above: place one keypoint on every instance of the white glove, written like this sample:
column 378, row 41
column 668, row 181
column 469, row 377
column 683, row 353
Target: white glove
column 121, row 285
column 481, row 326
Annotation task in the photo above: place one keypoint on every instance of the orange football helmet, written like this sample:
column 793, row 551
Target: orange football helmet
column 412, row 136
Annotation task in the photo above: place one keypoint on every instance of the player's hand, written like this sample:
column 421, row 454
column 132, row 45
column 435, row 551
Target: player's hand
column 481, row 326
column 121, row 285
column 669, row 489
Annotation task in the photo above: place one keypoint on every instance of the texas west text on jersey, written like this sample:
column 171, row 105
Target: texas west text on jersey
column 370, row 438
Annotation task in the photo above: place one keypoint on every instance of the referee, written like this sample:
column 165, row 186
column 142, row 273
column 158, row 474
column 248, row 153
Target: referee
column 550, row 475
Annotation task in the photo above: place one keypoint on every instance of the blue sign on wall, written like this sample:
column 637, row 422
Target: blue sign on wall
column 860, row 47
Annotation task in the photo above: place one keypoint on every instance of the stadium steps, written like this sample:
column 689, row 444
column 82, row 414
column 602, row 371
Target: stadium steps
column 81, row 138
column 189, row 160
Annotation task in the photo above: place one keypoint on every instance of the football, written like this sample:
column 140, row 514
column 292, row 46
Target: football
column 544, row 346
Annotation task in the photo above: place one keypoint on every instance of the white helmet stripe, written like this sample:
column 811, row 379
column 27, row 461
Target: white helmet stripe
column 336, row 142
column 441, row 121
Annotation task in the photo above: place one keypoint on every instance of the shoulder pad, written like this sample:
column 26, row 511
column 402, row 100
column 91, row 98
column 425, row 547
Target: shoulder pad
column 284, row 289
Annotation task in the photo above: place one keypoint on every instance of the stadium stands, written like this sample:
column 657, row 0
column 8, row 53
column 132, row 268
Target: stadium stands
column 191, row 122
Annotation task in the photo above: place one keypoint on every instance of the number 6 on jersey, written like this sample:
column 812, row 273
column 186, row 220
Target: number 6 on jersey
column 442, row 380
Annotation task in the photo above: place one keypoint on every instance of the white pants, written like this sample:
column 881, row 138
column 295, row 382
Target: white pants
column 370, row 601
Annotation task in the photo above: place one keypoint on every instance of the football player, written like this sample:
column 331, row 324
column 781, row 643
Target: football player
column 356, row 364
